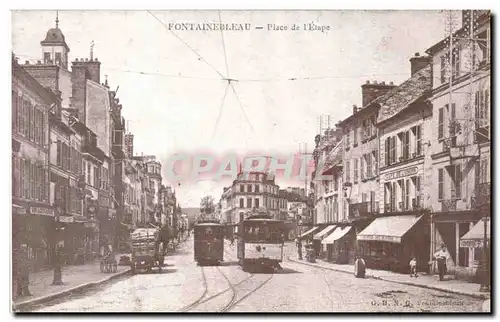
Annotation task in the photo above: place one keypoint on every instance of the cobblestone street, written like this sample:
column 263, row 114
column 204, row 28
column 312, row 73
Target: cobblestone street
column 180, row 287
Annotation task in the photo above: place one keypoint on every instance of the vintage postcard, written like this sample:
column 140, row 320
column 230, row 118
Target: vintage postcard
column 183, row 161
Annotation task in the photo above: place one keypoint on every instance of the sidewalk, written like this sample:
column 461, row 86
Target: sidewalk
column 75, row 278
column 424, row 281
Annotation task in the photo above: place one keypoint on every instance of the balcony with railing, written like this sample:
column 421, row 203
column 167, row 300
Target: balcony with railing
column 412, row 204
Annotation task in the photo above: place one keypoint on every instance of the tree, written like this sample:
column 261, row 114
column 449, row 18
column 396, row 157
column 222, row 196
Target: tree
column 207, row 206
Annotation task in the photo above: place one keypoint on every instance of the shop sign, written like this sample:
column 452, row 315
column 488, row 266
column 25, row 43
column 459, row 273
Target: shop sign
column 41, row 211
column 390, row 239
column 18, row 210
column 401, row 173
column 66, row 219
column 475, row 243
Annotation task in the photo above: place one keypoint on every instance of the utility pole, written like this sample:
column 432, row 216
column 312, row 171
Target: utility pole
column 303, row 151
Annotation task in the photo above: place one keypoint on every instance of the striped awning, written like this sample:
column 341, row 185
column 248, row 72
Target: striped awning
column 324, row 232
column 336, row 235
column 310, row 231
column 475, row 236
column 389, row 229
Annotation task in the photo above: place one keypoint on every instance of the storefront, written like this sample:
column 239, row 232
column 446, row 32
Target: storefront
column 390, row 243
column 341, row 245
column 449, row 228
column 32, row 225
column 308, row 234
column 475, row 240
column 318, row 246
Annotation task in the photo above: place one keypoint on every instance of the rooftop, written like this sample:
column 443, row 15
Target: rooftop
column 405, row 94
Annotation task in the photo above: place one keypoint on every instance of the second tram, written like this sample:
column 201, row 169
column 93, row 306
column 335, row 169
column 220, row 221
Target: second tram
column 209, row 243
column 260, row 242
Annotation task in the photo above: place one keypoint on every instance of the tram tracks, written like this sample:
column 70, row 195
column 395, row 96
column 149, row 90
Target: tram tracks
column 234, row 288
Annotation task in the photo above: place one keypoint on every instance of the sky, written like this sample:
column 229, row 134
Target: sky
column 171, row 88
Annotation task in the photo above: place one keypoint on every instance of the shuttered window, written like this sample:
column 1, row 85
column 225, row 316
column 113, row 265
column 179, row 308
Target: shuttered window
column 440, row 184
column 441, row 123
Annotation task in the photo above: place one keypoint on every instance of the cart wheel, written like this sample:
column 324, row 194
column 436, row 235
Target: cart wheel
column 102, row 267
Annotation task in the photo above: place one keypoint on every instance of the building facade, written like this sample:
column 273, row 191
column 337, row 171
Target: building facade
column 460, row 142
column 32, row 210
column 254, row 190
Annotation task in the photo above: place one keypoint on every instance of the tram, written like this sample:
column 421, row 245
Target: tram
column 209, row 243
column 260, row 242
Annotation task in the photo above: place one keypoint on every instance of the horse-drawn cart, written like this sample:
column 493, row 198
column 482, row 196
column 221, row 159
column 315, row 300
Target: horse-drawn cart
column 147, row 250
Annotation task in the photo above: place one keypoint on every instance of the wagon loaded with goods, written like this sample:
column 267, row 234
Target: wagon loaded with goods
column 147, row 249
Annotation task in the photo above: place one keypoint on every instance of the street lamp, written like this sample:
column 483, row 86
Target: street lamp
column 485, row 280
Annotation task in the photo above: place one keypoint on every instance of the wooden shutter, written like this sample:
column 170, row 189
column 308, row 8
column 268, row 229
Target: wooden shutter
column 440, row 123
column 59, row 153
column 387, row 151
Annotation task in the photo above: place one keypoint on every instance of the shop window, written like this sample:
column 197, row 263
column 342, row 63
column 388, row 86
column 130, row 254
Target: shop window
column 463, row 253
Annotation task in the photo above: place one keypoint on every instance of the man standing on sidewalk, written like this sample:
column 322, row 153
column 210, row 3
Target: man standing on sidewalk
column 441, row 257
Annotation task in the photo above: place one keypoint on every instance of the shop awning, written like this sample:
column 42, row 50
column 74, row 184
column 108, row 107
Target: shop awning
column 389, row 229
column 475, row 236
column 310, row 231
column 336, row 235
column 324, row 232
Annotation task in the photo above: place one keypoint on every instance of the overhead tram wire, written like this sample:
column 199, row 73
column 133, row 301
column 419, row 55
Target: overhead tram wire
column 159, row 74
column 230, row 81
column 186, row 44
column 220, row 111
column 224, row 46
column 241, row 107
column 234, row 80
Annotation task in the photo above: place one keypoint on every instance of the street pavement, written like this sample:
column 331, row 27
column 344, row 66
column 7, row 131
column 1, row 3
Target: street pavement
column 73, row 277
column 183, row 286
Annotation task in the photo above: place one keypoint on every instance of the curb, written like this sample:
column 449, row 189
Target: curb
column 18, row 308
column 477, row 296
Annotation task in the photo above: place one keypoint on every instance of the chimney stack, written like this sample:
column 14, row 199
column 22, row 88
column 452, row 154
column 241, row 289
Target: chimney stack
column 418, row 62
column 370, row 91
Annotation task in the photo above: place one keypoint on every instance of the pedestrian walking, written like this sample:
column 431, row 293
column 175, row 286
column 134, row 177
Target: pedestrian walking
column 299, row 248
column 442, row 256
column 413, row 267
column 232, row 240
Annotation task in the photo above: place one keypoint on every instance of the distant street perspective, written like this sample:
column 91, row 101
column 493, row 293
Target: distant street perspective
column 186, row 161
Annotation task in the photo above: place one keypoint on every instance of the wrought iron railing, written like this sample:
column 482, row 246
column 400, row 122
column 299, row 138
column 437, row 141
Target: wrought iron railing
column 448, row 205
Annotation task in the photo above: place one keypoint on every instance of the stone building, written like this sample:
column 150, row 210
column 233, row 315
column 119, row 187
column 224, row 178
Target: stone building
column 404, row 129
column 253, row 190
column 460, row 145
column 32, row 211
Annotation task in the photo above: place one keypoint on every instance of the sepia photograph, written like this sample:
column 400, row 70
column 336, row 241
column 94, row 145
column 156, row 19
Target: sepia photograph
column 250, row 161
